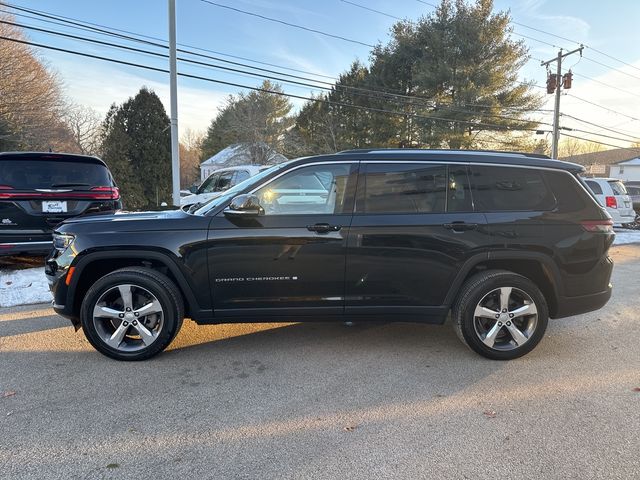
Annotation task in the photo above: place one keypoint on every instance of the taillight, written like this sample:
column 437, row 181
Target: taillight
column 106, row 193
column 599, row 226
column 610, row 202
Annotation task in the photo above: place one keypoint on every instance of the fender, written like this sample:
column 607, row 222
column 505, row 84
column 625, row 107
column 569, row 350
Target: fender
column 479, row 258
column 195, row 310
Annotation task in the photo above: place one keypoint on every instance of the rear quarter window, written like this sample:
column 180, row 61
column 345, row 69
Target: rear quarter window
column 594, row 186
column 504, row 189
column 618, row 187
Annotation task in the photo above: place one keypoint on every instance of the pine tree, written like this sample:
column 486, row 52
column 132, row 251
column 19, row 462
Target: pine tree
column 136, row 145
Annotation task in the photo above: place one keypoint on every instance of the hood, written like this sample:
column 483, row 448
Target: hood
column 167, row 220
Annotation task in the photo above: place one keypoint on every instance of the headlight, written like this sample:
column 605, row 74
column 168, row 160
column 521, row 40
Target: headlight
column 62, row 241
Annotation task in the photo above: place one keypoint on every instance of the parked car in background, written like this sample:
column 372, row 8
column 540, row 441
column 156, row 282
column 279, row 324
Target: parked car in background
column 634, row 193
column 220, row 181
column 40, row 190
column 612, row 194
column 502, row 242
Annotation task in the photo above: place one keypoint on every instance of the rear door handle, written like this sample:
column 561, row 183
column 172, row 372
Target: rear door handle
column 460, row 226
column 323, row 228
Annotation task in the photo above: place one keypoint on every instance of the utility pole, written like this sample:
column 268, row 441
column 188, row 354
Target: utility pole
column 173, row 92
column 554, row 82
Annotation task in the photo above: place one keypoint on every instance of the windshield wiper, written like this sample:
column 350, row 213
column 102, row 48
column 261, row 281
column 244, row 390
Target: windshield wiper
column 70, row 185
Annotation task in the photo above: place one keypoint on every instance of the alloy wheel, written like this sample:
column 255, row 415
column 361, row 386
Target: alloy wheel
column 128, row 317
column 505, row 318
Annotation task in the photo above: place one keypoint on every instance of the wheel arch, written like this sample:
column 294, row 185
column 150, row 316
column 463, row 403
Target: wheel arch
column 537, row 267
column 93, row 266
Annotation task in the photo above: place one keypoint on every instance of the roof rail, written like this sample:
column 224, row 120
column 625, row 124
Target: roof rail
column 436, row 150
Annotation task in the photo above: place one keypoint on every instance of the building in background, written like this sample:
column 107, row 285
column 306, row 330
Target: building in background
column 607, row 162
column 239, row 154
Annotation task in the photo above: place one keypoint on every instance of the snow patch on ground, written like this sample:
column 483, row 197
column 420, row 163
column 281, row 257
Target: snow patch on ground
column 28, row 286
column 23, row 287
column 624, row 237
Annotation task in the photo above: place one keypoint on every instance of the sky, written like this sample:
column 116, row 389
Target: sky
column 609, row 27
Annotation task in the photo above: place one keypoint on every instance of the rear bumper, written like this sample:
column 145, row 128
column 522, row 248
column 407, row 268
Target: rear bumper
column 569, row 306
column 22, row 248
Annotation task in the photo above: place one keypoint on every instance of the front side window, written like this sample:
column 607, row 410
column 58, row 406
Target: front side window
column 316, row 189
column 209, row 184
column 224, row 182
column 504, row 189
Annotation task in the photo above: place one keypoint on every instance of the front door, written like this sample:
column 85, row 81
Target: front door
column 291, row 260
column 412, row 230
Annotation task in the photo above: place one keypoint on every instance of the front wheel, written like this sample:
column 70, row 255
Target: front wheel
column 500, row 315
column 132, row 313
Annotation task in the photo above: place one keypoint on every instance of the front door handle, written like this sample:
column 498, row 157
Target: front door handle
column 460, row 226
column 323, row 228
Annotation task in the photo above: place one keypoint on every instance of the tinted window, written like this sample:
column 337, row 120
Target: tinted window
column 316, row 189
column 241, row 176
column 30, row 174
column 618, row 187
column 224, row 182
column 569, row 192
column 404, row 188
column 209, row 184
column 594, row 186
column 499, row 189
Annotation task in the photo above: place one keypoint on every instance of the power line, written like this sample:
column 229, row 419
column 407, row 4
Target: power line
column 602, row 107
column 93, row 27
column 275, row 92
column 600, row 143
column 333, row 86
column 293, row 25
column 371, row 9
column 611, row 68
column 632, row 137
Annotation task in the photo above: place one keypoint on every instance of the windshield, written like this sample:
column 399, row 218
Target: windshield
column 233, row 191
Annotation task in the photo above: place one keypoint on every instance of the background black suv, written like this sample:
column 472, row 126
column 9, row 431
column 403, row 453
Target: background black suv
column 40, row 190
column 502, row 241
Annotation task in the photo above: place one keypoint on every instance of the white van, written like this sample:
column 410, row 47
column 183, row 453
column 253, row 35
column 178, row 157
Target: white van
column 612, row 194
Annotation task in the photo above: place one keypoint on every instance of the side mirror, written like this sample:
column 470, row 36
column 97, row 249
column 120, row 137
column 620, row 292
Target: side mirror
column 246, row 205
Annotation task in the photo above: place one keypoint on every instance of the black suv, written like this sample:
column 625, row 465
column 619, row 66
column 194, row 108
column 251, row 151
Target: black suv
column 501, row 241
column 40, row 190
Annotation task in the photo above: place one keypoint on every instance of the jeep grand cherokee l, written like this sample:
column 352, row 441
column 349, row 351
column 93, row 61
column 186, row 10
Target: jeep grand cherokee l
column 40, row 190
column 502, row 242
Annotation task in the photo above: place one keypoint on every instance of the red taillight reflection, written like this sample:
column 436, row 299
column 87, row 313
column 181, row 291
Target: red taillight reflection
column 610, row 202
column 601, row 226
column 6, row 187
column 96, row 193
column 112, row 193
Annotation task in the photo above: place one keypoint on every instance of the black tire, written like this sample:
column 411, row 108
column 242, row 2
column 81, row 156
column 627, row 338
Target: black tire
column 152, row 281
column 477, row 288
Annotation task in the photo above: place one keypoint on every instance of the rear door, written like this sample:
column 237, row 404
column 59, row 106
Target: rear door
column 412, row 231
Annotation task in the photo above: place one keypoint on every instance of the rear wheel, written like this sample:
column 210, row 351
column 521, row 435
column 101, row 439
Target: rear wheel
column 132, row 313
column 500, row 315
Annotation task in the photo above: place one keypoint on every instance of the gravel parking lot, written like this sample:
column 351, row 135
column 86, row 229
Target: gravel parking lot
column 326, row 401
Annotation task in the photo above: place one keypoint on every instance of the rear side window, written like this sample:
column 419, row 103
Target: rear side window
column 224, row 182
column 503, row 189
column 30, row 174
column 617, row 187
column 594, row 186
column 404, row 188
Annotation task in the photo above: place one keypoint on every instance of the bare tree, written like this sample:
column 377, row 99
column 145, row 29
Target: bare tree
column 85, row 125
column 190, row 153
column 31, row 102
